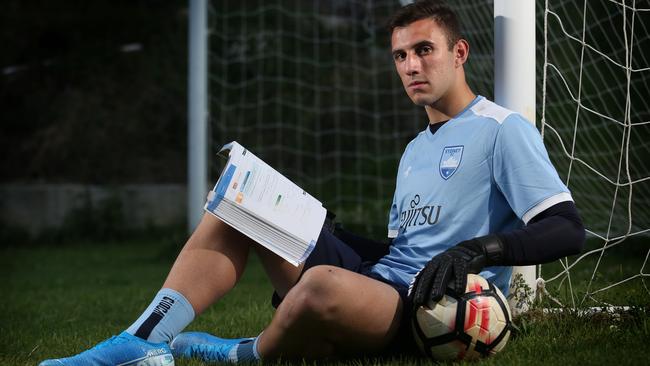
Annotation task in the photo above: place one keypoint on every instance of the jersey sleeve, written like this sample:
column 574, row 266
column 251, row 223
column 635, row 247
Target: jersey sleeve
column 523, row 171
column 393, row 221
column 393, row 215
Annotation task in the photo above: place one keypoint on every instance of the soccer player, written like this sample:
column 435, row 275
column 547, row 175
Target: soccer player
column 475, row 192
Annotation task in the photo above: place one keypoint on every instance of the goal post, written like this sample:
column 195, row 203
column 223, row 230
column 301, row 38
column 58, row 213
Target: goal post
column 515, row 89
column 197, row 115
column 596, row 126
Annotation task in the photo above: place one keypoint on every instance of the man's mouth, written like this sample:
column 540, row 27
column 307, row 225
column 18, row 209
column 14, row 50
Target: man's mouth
column 416, row 83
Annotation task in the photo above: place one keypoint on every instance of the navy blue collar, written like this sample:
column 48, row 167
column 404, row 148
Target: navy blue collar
column 434, row 127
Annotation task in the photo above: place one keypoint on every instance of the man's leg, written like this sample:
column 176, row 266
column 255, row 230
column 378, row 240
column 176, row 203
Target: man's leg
column 210, row 263
column 282, row 274
column 332, row 312
column 208, row 266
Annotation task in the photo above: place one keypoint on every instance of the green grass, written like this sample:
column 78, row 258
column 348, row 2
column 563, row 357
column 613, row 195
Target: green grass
column 60, row 300
column 617, row 264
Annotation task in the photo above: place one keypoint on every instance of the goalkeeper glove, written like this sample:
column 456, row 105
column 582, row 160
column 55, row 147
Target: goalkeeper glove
column 452, row 266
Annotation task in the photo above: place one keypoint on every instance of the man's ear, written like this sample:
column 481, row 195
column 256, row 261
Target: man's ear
column 461, row 52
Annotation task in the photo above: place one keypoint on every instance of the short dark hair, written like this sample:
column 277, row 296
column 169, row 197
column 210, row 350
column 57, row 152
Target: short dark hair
column 436, row 10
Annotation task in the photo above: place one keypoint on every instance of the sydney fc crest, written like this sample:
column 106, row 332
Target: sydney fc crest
column 450, row 160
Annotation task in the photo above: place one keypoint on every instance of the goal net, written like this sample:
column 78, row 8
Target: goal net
column 310, row 87
column 596, row 126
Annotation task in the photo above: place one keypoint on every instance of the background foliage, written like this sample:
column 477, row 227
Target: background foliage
column 76, row 108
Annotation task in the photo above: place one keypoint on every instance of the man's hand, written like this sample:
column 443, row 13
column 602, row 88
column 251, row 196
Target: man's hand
column 452, row 266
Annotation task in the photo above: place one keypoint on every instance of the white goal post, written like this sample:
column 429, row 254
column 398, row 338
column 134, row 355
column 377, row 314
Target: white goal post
column 514, row 85
column 197, row 112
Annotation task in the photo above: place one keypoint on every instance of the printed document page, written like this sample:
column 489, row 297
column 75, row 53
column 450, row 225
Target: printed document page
column 256, row 188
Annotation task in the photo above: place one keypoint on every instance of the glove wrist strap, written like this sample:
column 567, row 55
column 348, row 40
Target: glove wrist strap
column 493, row 248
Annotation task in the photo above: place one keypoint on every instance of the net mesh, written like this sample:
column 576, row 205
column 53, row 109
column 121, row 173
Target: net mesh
column 596, row 127
column 310, row 87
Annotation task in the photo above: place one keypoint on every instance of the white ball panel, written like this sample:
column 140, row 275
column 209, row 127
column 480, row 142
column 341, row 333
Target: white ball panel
column 484, row 321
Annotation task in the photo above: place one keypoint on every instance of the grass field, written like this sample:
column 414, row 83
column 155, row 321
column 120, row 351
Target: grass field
column 60, row 300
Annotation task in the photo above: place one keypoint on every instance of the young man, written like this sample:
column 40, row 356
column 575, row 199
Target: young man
column 475, row 192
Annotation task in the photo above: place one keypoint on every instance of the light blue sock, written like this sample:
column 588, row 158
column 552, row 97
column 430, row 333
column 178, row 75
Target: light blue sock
column 245, row 351
column 167, row 315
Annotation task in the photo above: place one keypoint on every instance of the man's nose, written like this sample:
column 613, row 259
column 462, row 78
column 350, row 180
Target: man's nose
column 413, row 64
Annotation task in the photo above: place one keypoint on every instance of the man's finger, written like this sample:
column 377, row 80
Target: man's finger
column 423, row 284
column 441, row 280
column 460, row 276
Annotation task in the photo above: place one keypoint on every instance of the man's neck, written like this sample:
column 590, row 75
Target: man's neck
column 450, row 105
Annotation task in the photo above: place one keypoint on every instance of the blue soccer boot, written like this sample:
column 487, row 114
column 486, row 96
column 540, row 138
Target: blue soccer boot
column 121, row 350
column 206, row 347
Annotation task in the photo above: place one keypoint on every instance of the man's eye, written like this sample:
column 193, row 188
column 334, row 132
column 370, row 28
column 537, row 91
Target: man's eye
column 398, row 56
column 424, row 50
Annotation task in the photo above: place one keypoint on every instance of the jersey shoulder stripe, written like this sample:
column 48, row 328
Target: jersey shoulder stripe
column 486, row 108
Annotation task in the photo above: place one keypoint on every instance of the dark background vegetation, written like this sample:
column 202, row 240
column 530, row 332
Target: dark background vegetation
column 306, row 85
column 76, row 108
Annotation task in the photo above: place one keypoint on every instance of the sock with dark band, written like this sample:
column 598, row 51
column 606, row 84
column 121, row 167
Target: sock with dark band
column 167, row 315
column 245, row 352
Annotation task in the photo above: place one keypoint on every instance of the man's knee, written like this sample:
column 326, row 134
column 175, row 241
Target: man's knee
column 315, row 296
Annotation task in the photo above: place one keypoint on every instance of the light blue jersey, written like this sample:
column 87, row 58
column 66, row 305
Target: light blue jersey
column 485, row 171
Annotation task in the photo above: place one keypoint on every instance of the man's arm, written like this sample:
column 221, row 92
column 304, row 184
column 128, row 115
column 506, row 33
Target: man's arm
column 552, row 234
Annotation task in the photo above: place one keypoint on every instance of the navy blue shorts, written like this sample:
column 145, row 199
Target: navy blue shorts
column 330, row 250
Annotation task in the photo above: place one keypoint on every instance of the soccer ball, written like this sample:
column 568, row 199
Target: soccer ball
column 467, row 326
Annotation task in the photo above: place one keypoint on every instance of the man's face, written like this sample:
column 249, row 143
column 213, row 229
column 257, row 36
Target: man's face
column 423, row 60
